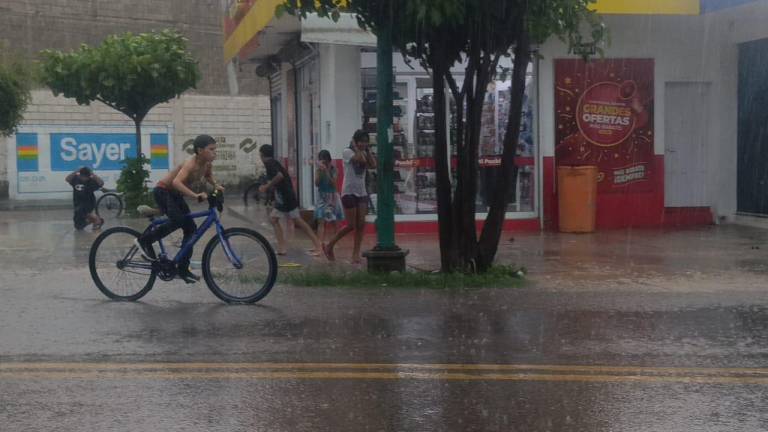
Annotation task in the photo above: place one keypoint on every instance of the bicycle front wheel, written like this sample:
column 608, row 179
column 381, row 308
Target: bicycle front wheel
column 117, row 267
column 248, row 274
column 109, row 205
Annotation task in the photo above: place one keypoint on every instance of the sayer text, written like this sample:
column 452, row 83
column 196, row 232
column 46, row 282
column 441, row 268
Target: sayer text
column 92, row 152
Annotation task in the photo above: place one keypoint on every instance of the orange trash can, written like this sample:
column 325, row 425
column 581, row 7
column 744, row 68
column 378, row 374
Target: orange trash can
column 577, row 198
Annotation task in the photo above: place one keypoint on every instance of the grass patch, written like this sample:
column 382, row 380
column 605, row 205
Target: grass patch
column 496, row 277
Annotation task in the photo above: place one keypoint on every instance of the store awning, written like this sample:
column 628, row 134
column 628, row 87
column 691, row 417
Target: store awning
column 665, row 7
column 345, row 31
column 243, row 20
column 248, row 22
column 648, row 7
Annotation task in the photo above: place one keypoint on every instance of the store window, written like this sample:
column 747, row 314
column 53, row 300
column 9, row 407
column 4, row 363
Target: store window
column 414, row 144
column 521, row 196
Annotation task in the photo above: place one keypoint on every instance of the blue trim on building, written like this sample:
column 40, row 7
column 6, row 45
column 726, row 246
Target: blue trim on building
column 715, row 5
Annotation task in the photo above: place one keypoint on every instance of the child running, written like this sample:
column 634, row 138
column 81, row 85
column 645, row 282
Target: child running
column 328, row 208
column 286, row 204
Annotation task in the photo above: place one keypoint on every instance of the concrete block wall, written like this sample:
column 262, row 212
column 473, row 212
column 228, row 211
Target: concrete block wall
column 231, row 120
column 28, row 26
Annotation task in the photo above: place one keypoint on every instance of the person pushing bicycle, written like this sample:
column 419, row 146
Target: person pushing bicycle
column 169, row 195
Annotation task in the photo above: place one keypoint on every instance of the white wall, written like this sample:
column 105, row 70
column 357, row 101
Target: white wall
column 685, row 49
column 229, row 119
column 340, row 98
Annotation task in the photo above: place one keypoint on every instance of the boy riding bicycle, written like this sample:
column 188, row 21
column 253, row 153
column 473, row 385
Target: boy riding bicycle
column 169, row 195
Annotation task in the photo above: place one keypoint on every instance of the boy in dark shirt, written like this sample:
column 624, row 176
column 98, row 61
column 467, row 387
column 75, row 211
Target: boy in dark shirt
column 286, row 204
column 84, row 183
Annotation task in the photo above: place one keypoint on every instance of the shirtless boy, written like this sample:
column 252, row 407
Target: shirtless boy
column 169, row 195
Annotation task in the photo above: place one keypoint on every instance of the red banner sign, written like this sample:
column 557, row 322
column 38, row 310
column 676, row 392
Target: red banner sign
column 604, row 117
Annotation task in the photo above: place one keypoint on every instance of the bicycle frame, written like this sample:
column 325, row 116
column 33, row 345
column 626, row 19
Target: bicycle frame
column 212, row 218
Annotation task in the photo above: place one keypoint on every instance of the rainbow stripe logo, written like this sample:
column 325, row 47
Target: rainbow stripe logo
column 159, row 151
column 27, row 154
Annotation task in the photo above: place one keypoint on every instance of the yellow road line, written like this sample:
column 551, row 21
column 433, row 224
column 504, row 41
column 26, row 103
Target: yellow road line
column 86, row 366
column 335, row 375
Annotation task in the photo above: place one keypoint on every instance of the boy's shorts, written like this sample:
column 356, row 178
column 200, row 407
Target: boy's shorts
column 277, row 214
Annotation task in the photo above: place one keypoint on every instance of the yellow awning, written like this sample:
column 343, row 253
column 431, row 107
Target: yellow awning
column 649, row 7
column 263, row 11
column 255, row 20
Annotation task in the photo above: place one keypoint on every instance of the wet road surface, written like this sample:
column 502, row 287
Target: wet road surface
column 564, row 353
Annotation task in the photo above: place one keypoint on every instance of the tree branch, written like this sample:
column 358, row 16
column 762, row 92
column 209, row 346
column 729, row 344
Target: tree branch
column 113, row 106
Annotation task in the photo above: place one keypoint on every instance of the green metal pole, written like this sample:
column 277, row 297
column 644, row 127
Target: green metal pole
column 385, row 211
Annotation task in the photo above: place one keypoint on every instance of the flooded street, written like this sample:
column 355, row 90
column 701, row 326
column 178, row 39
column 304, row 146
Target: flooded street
column 548, row 356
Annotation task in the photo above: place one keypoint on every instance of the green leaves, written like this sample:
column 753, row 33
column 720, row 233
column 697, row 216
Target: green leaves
column 131, row 183
column 130, row 73
column 14, row 95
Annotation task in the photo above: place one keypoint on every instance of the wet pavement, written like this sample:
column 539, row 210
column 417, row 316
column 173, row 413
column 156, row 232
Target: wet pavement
column 642, row 330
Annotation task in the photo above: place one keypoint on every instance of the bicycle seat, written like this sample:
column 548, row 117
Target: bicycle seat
column 148, row 211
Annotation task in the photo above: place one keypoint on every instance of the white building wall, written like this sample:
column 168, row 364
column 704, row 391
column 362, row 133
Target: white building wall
column 231, row 120
column 696, row 49
column 340, row 98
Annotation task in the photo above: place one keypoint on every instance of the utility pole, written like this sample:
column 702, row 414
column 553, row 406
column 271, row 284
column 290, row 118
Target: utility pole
column 386, row 256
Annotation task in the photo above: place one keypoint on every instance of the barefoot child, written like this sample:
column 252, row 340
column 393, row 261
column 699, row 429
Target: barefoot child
column 84, row 183
column 286, row 204
column 354, row 196
column 328, row 208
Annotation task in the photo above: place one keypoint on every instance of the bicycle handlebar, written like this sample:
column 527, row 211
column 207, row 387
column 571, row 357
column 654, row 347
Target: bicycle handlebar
column 216, row 200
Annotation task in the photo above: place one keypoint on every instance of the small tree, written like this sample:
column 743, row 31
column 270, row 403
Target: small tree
column 132, row 183
column 129, row 73
column 14, row 95
column 440, row 34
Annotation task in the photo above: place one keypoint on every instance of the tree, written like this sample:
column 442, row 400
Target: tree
column 14, row 95
column 129, row 73
column 441, row 33
column 132, row 183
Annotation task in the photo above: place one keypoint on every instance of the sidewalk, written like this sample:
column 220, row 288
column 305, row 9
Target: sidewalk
column 708, row 258
column 49, row 204
column 703, row 259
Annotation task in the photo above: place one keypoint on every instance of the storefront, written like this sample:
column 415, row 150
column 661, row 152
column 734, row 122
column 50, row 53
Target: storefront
column 414, row 142
column 659, row 114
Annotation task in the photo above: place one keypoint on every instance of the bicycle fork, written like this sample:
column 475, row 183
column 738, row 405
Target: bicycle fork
column 228, row 248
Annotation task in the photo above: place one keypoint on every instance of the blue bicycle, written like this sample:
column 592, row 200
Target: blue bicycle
column 239, row 265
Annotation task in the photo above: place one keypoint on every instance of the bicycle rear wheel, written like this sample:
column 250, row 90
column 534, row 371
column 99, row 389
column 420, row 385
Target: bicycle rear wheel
column 109, row 205
column 117, row 268
column 251, row 194
column 256, row 275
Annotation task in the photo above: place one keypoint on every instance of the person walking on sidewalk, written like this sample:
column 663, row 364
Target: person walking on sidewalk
column 286, row 205
column 354, row 196
column 328, row 208
column 169, row 195
column 84, row 183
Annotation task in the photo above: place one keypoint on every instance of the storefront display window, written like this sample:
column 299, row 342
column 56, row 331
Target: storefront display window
column 414, row 144
column 494, row 123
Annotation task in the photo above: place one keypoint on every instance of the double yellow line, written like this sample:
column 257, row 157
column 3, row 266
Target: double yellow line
column 380, row 371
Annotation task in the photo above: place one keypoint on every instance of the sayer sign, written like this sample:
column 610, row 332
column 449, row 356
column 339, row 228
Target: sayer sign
column 100, row 151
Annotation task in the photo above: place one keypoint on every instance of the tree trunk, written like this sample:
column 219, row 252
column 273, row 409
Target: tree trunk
column 442, row 167
column 456, row 207
column 468, row 162
column 489, row 239
column 137, row 121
